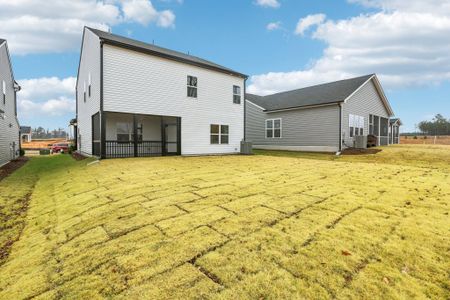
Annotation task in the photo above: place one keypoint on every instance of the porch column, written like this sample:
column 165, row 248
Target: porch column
column 163, row 137
column 103, row 134
column 135, row 137
column 179, row 136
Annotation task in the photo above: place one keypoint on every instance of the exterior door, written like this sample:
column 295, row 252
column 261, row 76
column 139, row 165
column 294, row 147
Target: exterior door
column 171, row 133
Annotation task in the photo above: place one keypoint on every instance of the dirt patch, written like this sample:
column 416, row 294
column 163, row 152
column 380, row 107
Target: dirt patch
column 355, row 151
column 10, row 167
column 78, row 156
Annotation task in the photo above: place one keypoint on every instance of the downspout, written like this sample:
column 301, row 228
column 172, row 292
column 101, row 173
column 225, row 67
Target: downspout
column 340, row 130
column 245, row 104
column 102, row 116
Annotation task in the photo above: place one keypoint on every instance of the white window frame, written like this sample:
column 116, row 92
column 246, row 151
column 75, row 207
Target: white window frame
column 355, row 124
column 237, row 94
column 2, row 114
column 188, row 85
column 89, row 84
column 273, row 128
column 4, row 92
column 219, row 135
column 84, row 91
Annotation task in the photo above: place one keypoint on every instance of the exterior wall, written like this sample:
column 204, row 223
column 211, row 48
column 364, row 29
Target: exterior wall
column 9, row 126
column 312, row 129
column 135, row 82
column 89, row 62
column 364, row 102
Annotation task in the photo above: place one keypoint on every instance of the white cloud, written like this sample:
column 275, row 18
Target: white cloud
column 268, row 3
column 142, row 11
column 47, row 96
column 273, row 26
column 404, row 46
column 55, row 25
column 309, row 21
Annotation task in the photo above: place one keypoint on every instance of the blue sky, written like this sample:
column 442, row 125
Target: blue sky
column 281, row 44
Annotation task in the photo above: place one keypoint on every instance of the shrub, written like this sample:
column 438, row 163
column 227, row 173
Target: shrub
column 425, row 137
column 415, row 137
column 72, row 149
column 21, row 152
column 44, row 152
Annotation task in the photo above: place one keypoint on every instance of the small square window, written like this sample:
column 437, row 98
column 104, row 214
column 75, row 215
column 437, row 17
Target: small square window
column 219, row 134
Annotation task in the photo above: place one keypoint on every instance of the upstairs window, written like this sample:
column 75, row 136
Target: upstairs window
column 84, row 91
column 4, row 92
column 219, row 134
column 192, row 86
column 89, row 84
column 2, row 114
column 236, row 94
column 273, row 128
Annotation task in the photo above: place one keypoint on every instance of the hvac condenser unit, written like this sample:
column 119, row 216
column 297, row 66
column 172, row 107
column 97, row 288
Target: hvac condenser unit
column 360, row 141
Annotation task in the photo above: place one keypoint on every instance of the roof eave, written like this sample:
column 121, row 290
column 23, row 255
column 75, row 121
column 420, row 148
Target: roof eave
column 171, row 57
column 303, row 107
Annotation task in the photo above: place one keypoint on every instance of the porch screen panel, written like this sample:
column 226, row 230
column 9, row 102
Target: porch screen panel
column 96, row 136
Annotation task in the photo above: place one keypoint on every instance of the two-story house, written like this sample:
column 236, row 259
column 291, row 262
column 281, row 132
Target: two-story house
column 136, row 99
column 9, row 125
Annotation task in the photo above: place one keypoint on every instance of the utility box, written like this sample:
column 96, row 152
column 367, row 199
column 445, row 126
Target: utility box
column 246, row 148
column 360, row 142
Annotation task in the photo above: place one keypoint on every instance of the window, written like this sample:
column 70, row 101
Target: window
column 192, row 86
column 370, row 124
column 4, row 92
column 236, row 94
column 84, row 91
column 2, row 114
column 356, row 125
column 273, row 128
column 125, row 132
column 219, row 134
column 89, row 82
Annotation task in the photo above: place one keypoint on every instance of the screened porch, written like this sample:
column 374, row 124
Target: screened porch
column 135, row 135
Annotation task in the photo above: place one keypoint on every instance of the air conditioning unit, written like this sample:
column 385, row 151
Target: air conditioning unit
column 246, row 147
column 360, row 141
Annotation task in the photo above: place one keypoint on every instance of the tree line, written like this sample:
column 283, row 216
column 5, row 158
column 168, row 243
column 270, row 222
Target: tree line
column 41, row 133
column 437, row 126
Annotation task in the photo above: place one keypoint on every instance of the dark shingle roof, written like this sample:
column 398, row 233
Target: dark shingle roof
column 327, row 93
column 164, row 52
column 25, row 129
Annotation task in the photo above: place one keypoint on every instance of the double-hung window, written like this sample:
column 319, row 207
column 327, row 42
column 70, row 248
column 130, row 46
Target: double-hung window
column 4, row 92
column 219, row 134
column 192, row 86
column 2, row 114
column 273, row 128
column 236, row 94
column 124, row 130
column 89, row 84
column 84, row 91
column 356, row 125
column 370, row 124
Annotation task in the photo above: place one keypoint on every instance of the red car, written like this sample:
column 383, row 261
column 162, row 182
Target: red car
column 59, row 148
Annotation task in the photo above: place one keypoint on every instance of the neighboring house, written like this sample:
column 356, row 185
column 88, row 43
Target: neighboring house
column 137, row 99
column 9, row 125
column 25, row 134
column 324, row 117
column 394, row 130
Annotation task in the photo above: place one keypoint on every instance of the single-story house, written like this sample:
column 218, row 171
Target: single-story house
column 325, row 117
column 135, row 99
column 9, row 124
column 25, row 134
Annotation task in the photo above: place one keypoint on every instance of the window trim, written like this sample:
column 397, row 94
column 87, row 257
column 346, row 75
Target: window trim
column 273, row 128
column 89, row 84
column 4, row 91
column 238, row 94
column 2, row 114
column 189, row 86
column 219, row 134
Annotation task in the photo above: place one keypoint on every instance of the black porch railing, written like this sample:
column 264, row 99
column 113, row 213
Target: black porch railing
column 117, row 149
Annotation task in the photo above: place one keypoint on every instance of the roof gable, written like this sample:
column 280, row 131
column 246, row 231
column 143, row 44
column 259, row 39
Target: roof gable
column 121, row 41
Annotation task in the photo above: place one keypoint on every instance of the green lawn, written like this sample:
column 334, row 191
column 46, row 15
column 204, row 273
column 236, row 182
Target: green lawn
column 275, row 225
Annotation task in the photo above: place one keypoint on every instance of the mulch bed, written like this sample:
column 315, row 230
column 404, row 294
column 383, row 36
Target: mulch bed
column 78, row 156
column 355, row 151
column 13, row 165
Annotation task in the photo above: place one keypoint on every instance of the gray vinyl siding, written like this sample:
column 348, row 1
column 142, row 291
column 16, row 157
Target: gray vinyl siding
column 9, row 126
column 90, row 62
column 364, row 102
column 311, row 127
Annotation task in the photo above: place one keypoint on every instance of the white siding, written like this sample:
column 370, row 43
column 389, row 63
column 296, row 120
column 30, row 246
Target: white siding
column 89, row 63
column 9, row 126
column 364, row 102
column 139, row 83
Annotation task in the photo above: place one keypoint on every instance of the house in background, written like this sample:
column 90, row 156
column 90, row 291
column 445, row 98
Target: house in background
column 394, row 130
column 9, row 124
column 324, row 117
column 135, row 99
column 25, row 134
